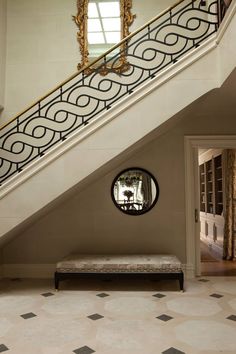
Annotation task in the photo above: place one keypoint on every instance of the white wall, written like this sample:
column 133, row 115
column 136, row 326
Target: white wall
column 42, row 49
column 145, row 10
column 2, row 50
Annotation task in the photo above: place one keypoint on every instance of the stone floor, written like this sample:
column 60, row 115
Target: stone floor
column 118, row 316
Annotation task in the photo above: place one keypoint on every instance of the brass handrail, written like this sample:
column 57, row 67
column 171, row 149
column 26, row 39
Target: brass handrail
column 93, row 62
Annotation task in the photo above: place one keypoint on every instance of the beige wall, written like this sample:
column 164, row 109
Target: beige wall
column 42, row 49
column 148, row 9
column 2, row 50
column 89, row 222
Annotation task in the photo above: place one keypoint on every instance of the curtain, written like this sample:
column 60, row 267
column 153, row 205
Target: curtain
column 224, row 4
column 229, row 252
column 146, row 190
column 227, row 2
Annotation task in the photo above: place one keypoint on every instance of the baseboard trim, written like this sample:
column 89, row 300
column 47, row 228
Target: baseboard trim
column 1, row 271
column 189, row 271
column 45, row 271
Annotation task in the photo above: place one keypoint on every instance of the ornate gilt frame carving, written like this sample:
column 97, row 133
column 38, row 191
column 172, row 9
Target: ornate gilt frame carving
column 81, row 18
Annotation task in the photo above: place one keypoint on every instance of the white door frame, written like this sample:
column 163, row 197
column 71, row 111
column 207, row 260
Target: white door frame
column 192, row 144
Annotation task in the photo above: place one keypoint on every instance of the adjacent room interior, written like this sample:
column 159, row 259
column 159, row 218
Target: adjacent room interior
column 217, row 184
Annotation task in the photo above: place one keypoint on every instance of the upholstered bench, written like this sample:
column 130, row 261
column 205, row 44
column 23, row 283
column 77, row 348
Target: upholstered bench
column 162, row 266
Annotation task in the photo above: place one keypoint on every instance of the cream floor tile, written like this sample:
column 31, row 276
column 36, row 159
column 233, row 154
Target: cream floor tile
column 142, row 317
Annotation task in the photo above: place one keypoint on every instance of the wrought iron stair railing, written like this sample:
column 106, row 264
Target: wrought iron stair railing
column 86, row 95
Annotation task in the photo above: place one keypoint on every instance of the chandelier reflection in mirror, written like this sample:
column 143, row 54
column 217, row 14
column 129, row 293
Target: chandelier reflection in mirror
column 135, row 191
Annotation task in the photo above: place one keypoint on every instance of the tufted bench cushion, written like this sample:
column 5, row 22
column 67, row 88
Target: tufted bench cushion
column 119, row 263
column 167, row 265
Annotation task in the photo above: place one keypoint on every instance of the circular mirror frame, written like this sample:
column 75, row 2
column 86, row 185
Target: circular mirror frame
column 136, row 212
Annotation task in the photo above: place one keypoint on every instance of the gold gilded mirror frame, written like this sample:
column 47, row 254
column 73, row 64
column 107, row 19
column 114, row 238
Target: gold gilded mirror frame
column 81, row 20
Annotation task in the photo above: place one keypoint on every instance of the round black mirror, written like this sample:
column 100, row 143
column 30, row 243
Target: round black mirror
column 135, row 191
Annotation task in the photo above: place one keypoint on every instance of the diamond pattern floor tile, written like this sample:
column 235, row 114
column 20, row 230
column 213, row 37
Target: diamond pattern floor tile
column 159, row 296
column 26, row 316
column 47, row 294
column 232, row 318
column 95, row 317
column 164, row 318
column 172, row 351
column 103, row 295
column 217, row 296
column 84, row 350
column 3, row 348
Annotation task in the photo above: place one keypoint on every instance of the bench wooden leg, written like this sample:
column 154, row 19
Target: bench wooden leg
column 181, row 281
column 56, row 280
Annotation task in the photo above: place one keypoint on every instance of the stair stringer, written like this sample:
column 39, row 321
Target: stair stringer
column 113, row 132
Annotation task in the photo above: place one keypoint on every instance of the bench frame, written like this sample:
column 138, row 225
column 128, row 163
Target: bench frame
column 157, row 275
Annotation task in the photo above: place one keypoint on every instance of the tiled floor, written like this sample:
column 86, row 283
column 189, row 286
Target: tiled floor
column 118, row 317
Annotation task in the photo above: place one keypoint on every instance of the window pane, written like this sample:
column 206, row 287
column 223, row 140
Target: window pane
column 112, row 37
column 92, row 10
column 94, row 25
column 109, row 9
column 96, row 38
column 111, row 24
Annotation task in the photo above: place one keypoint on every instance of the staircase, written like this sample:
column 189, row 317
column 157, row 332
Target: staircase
column 94, row 116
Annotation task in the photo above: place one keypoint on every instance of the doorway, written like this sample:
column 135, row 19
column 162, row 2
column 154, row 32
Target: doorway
column 216, row 252
column 192, row 187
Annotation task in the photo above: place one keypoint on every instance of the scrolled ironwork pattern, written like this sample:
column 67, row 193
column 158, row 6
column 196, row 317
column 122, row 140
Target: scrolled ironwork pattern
column 77, row 102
